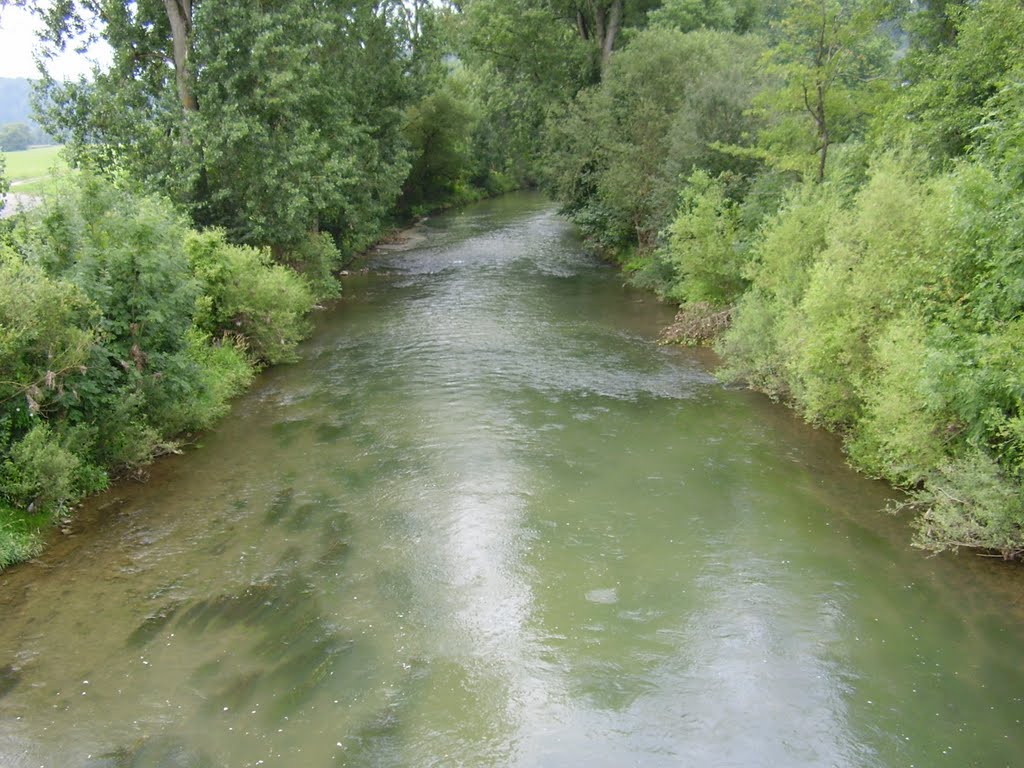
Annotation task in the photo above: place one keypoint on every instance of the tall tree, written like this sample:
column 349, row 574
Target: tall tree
column 599, row 21
column 828, row 56
column 179, row 16
column 269, row 119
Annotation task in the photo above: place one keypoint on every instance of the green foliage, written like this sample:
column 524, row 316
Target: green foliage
column 125, row 252
column 20, row 536
column 120, row 329
column 293, row 116
column 894, row 228
column 688, row 15
column 920, row 370
column 15, row 137
column 828, row 59
column 954, row 85
column 40, row 474
column 246, row 295
column 522, row 61
column 969, row 502
column 299, row 119
column 224, row 371
column 47, row 329
column 704, row 244
column 905, row 427
column 616, row 155
column 768, row 330
column 317, row 259
column 439, row 132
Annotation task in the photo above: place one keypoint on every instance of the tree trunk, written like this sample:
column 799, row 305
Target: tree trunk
column 611, row 30
column 824, row 152
column 600, row 21
column 581, row 25
column 179, row 14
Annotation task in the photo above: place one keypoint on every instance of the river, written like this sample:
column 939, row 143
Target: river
column 487, row 521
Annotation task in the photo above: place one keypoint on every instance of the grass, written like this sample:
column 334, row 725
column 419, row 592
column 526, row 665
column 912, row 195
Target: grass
column 20, row 536
column 33, row 168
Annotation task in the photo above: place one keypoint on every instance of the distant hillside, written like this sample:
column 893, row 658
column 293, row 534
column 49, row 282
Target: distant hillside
column 15, row 105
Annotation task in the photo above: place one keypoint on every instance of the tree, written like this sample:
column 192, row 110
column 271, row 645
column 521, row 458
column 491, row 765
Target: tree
column 952, row 85
column 522, row 62
column 828, row 58
column 271, row 120
column 15, row 137
column 617, row 155
column 179, row 16
column 599, row 21
column 688, row 15
column 438, row 130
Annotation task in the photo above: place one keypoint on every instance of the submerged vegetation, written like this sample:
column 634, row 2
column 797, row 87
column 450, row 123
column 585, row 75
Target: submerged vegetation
column 830, row 189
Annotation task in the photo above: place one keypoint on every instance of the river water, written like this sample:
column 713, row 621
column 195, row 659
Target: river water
column 487, row 521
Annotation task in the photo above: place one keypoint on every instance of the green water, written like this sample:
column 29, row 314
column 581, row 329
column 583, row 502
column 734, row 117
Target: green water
column 486, row 521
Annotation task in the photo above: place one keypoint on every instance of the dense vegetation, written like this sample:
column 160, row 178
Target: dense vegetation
column 845, row 180
column 842, row 179
column 229, row 162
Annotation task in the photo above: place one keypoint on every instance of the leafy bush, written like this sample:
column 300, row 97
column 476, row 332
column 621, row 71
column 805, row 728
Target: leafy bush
column 969, row 502
column 438, row 130
column 896, row 227
column 42, row 476
column 905, row 428
column 616, row 154
column 705, row 244
column 119, row 330
column 47, row 329
column 245, row 294
column 317, row 259
column 20, row 537
column 768, row 329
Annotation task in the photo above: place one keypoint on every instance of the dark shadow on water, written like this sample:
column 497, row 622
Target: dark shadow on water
column 303, row 516
column 152, row 625
column 280, row 506
column 9, row 679
column 285, row 432
column 155, row 752
column 331, row 433
column 294, row 649
column 338, row 535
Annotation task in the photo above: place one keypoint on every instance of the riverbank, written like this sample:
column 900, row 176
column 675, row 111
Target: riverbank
column 41, row 487
column 415, row 528
column 126, row 333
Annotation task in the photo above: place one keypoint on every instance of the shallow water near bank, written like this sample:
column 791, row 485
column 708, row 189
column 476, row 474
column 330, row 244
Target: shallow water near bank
column 487, row 521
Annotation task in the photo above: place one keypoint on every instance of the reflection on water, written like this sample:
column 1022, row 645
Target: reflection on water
column 488, row 522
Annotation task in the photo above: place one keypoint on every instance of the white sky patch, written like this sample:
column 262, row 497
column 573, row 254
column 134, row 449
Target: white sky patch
column 18, row 44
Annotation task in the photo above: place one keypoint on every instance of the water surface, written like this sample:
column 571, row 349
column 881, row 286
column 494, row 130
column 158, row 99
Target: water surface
column 487, row 521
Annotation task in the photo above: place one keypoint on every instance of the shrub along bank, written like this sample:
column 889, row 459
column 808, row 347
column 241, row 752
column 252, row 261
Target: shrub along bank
column 122, row 329
column 856, row 213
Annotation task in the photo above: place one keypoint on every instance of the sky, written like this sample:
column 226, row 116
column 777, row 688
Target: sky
column 18, row 41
